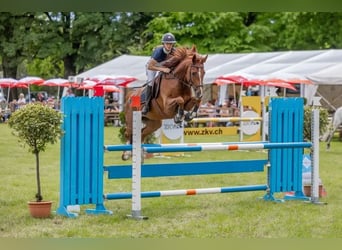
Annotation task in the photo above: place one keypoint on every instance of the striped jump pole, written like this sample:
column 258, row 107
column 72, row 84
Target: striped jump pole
column 185, row 192
column 225, row 119
column 128, row 147
column 207, row 146
column 229, row 147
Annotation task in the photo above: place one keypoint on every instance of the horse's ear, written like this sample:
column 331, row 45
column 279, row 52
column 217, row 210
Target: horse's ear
column 204, row 59
column 194, row 59
column 194, row 49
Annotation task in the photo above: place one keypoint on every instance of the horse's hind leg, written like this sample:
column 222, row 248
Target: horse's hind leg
column 150, row 127
column 330, row 136
column 126, row 155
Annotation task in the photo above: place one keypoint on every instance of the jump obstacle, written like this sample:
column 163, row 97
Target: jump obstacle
column 82, row 157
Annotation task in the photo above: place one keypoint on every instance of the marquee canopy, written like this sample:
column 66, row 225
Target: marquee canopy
column 319, row 66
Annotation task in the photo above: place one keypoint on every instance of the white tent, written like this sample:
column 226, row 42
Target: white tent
column 123, row 65
column 330, row 76
column 323, row 67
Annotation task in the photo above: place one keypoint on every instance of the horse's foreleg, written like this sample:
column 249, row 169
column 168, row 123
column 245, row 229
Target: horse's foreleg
column 175, row 105
column 179, row 117
column 192, row 113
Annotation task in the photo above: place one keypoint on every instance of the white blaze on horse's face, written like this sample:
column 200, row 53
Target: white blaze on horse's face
column 201, row 83
column 196, row 79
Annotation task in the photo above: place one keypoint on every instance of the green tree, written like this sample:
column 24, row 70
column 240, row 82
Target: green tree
column 226, row 32
column 304, row 30
column 56, row 44
column 14, row 28
column 212, row 32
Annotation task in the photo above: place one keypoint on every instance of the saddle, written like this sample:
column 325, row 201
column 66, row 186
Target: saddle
column 155, row 89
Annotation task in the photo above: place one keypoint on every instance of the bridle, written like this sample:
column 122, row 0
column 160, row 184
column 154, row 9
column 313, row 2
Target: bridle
column 190, row 83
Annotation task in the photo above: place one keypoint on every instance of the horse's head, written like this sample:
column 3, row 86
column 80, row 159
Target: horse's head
column 190, row 69
column 196, row 75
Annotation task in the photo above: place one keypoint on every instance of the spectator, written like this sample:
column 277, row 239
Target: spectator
column 70, row 93
column 40, row 97
column 224, row 112
column 4, row 111
column 13, row 105
column 21, row 100
column 107, row 106
column 209, row 109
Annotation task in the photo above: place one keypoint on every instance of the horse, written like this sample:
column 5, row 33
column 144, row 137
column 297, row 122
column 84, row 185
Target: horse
column 176, row 94
column 334, row 124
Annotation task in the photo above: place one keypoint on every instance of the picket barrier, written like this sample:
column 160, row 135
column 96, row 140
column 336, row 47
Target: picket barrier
column 82, row 149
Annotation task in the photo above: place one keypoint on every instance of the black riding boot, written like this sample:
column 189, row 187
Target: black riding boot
column 146, row 107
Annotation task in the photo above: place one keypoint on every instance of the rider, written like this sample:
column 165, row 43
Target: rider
column 153, row 66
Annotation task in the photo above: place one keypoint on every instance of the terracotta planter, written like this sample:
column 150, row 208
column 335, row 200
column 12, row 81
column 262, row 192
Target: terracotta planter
column 307, row 190
column 148, row 155
column 40, row 209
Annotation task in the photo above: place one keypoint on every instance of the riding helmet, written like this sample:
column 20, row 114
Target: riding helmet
column 168, row 38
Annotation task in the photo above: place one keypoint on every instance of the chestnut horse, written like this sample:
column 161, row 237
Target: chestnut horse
column 176, row 95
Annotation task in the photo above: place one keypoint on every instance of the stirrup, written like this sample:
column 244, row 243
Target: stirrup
column 145, row 109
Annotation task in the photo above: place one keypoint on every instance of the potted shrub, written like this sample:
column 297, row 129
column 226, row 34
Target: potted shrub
column 36, row 125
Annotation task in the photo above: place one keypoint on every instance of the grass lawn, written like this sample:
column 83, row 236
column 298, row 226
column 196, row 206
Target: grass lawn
column 232, row 215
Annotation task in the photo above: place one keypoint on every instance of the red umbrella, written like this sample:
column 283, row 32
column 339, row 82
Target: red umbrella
column 109, row 88
column 8, row 83
column 278, row 84
column 273, row 82
column 237, row 79
column 87, row 84
column 118, row 80
column 20, row 85
column 57, row 82
column 289, row 78
column 27, row 81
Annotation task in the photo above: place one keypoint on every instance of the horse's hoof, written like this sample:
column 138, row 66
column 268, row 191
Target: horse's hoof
column 177, row 120
column 124, row 157
column 188, row 117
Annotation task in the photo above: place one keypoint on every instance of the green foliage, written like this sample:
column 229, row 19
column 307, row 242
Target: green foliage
column 46, row 68
column 323, row 121
column 36, row 125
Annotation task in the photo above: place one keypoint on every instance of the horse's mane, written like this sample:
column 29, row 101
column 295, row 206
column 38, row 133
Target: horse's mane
column 179, row 55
